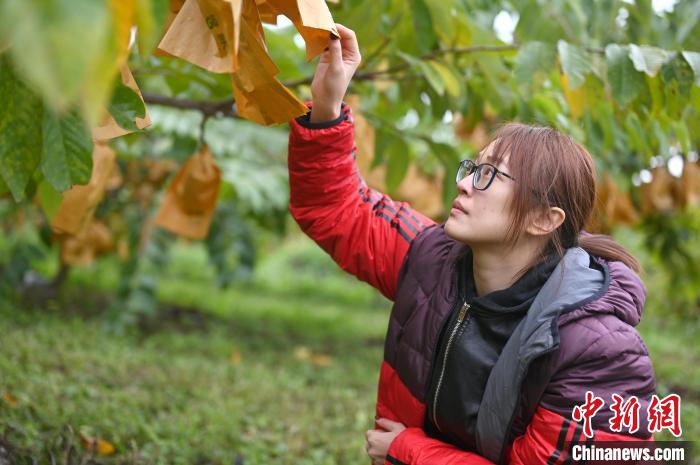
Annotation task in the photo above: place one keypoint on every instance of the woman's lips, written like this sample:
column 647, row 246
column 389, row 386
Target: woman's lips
column 457, row 208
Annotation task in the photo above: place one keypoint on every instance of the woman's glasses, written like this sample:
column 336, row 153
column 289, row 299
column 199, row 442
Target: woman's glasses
column 483, row 173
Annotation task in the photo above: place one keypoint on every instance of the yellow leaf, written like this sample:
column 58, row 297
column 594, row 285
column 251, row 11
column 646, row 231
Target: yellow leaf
column 99, row 445
column 123, row 16
column 575, row 98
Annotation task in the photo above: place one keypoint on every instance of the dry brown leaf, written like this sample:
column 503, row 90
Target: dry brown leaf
column 79, row 202
column 109, row 128
column 189, row 203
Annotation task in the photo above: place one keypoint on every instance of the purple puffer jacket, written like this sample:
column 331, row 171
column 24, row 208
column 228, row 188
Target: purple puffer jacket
column 577, row 336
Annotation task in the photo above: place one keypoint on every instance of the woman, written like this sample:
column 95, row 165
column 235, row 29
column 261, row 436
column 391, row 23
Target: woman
column 504, row 316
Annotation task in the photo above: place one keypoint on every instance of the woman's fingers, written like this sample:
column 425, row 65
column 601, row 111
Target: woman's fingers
column 348, row 41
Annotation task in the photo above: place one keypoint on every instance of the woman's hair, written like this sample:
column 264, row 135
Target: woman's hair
column 551, row 170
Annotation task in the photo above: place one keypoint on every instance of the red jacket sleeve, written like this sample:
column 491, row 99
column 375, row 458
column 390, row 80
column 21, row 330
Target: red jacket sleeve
column 365, row 232
column 548, row 439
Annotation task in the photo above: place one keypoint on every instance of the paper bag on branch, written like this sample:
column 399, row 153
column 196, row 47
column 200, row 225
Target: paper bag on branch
column 189, row 38
column 189, row 203
column 93, row 240
column 658, row 195
column 689, row 192
column 267, row 13
column 79, row 202
column 259, row 96
column 227, row 36
column 109, row 128
column 313, row 20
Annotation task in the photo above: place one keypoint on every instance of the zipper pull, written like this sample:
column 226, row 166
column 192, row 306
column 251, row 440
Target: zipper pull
column 463, row 312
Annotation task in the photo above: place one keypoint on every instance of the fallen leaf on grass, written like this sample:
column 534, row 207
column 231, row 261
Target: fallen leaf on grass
column 10, row 399
column 235, row 357
column 100, row 446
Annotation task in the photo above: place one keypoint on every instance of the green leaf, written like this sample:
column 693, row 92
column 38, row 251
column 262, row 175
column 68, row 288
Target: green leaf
column 431, row 74
column 20, row 131
column 682, row 135
column 423, row 26
column 49, row 198
column 648, row 59
column 65, row 49
column 451, row 82
column 125, row 106
column 573, row 62
column 661, row 137
column 625, row 81
column 693, row 59
column 66, row 158
column 533, row 58
column 433, row 77
column 150, row 20
column 399, row 157
column 636, row 134
column 442, row 19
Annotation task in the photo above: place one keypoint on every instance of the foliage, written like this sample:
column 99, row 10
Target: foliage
column 618, row 76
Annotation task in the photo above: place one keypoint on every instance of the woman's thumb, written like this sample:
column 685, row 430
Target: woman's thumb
column 389, row 425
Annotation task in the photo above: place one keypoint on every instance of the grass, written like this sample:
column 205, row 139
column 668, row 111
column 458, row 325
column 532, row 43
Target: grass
column 282, row 370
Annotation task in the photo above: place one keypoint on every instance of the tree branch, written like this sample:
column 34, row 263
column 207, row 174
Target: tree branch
column 228, row 107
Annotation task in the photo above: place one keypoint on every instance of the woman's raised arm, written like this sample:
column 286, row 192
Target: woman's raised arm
column 366, row 232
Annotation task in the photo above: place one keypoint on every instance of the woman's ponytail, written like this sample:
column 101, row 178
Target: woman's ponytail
column 606, row 247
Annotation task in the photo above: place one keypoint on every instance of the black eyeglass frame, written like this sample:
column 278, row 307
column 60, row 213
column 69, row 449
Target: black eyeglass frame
column 471, row 167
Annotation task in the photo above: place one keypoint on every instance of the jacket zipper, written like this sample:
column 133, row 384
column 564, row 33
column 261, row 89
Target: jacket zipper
column 460, row 320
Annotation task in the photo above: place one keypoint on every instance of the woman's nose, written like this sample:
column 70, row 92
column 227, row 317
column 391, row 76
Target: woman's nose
column 465, row 185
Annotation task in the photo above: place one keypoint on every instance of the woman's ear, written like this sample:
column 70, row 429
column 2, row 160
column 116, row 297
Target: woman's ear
column 546, row 221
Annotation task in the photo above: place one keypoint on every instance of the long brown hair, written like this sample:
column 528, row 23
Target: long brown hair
column 550, row 170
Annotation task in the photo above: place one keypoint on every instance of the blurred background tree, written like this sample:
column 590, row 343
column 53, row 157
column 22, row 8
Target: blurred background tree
column 437, row 77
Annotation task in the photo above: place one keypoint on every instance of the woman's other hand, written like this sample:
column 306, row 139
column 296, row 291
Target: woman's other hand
column 333, row 74
column 379, row 440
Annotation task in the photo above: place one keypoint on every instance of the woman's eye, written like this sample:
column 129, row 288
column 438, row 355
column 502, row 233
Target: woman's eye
column 486, row 171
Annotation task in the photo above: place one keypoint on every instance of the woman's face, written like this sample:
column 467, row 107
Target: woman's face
column 482, row 217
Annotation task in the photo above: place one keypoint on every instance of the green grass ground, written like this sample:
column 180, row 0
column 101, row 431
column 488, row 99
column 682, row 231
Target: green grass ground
column 282, row 370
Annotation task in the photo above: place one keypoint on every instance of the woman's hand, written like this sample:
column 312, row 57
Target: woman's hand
column 333, row 73
column 379, row 440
